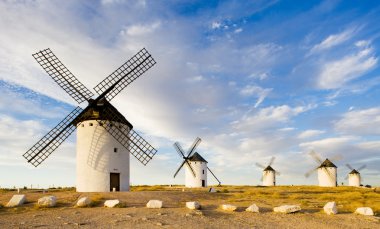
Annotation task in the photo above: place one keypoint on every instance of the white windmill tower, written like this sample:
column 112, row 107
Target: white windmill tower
column 327, row 171
column 104, row 136
column 269, row 174
column 354, row 177
column 196, row 166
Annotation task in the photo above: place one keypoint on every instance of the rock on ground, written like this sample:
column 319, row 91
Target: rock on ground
column 253, row 208
column 229, row 207
column 193, row 205
column 47, row 201
column 287, row 208
column 364, row 211
column 84, row 202
column 16, row 200
column 330, row 208
column 111, row 203
column 212, row 190
column 154, row 204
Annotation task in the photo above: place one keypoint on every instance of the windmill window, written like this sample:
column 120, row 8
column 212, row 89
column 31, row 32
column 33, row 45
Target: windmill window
column 91, row 124
column 115, row 150
column 203, row 171
column 82, row 125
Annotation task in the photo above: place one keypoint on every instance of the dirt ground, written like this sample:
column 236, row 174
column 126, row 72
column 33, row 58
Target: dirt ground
column 173, row 215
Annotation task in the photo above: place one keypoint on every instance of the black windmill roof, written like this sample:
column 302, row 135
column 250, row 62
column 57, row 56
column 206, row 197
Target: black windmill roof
column 327, row 163
column 102, row 110
column 354, row 171
column 197, row 157
column 268, row 168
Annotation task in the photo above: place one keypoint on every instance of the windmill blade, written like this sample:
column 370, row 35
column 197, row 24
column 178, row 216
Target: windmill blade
column 271, row 161
column 349, row 167
column 262, row 178
column 179, row 168
column 62, row 76
column 331, row 176
column 315, row 156
column 346, row 178
column 179, row 150
column 260, row 165
column 191, row 168
column 214, row 176
column 362, row 167
column 125, row 74
column 47, row 144
column 192, row 148
column 310, row 172
column 127, row 137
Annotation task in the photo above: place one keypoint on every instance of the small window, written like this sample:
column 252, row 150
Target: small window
column 115, row 150
column 203, row 171
column 82, row 125
column 91, row 124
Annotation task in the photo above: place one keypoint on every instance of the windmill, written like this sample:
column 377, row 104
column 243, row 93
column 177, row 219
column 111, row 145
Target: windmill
column 269, row 174
column 105, row 138
column 196, row 166
column 327, row 171
column 354, row 177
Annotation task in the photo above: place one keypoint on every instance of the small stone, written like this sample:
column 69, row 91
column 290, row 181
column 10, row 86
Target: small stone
column 253, row 208
column 154, row 204
column 144, row 219
column 188, row 215
column 16, row 200
column 111, row 203
column 159, row 224
column 128, row 216
column 65, row 223
column 47, row 201
column 84, row 202
column 229, row 207
column 330, row 208
column 193, row 205
column 287, row 209
column 364, row 211
column 212, row 190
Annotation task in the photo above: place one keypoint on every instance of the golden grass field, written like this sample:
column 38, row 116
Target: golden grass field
column 310, row 198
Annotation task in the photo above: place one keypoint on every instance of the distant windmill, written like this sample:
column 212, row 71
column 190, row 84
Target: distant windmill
column 327, row 171
column 269, row 174
column 354, row 177
column 196, row 166
column 104, row 136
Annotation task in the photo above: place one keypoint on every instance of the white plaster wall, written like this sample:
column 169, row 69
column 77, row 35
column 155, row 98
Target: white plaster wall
column 96, row 159
column 326, row 180
column 198, row 167
column 354, row 180
column 269, row 178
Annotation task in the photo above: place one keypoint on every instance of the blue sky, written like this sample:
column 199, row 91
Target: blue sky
column 253, row 80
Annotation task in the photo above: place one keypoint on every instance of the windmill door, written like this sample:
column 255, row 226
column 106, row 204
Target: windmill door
column 203, row 183
column 115, row 181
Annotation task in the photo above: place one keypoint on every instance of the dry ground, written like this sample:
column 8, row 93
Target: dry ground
column 174, row 215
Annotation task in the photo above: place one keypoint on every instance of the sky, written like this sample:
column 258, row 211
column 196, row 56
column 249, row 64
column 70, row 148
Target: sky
column 252, row 79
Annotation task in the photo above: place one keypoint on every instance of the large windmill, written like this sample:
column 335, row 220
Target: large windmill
column 354, row 177
column 105, row 138
column 269, row 174
column 196, row 166
column 327, row 171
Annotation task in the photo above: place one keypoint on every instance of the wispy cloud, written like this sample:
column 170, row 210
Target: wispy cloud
column 333, row 40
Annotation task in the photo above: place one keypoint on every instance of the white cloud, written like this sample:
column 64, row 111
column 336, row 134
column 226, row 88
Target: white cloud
column 335, row 74
column 253, row 90
column 140, row 30
column 333, row 40
column 359, row 122
column 310, row 133
column 239, row 30
column 215, row 25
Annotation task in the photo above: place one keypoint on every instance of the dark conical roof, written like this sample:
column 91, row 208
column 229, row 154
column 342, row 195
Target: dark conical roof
column 354, row 171
column 327, row 163
column 268, row 168
column 102, row 110
column 197, row 157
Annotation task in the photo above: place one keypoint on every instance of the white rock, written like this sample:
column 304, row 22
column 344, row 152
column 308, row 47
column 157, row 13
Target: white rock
column 193, row 205
column 287, row 208
column 364, row 211
column 154, row 204
column 47, row 201
column 16, row 200
column 229, row 207
column 212, row 190
column 330, row 208
column 253, row 208
column 84, row 202
column 111, row 203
